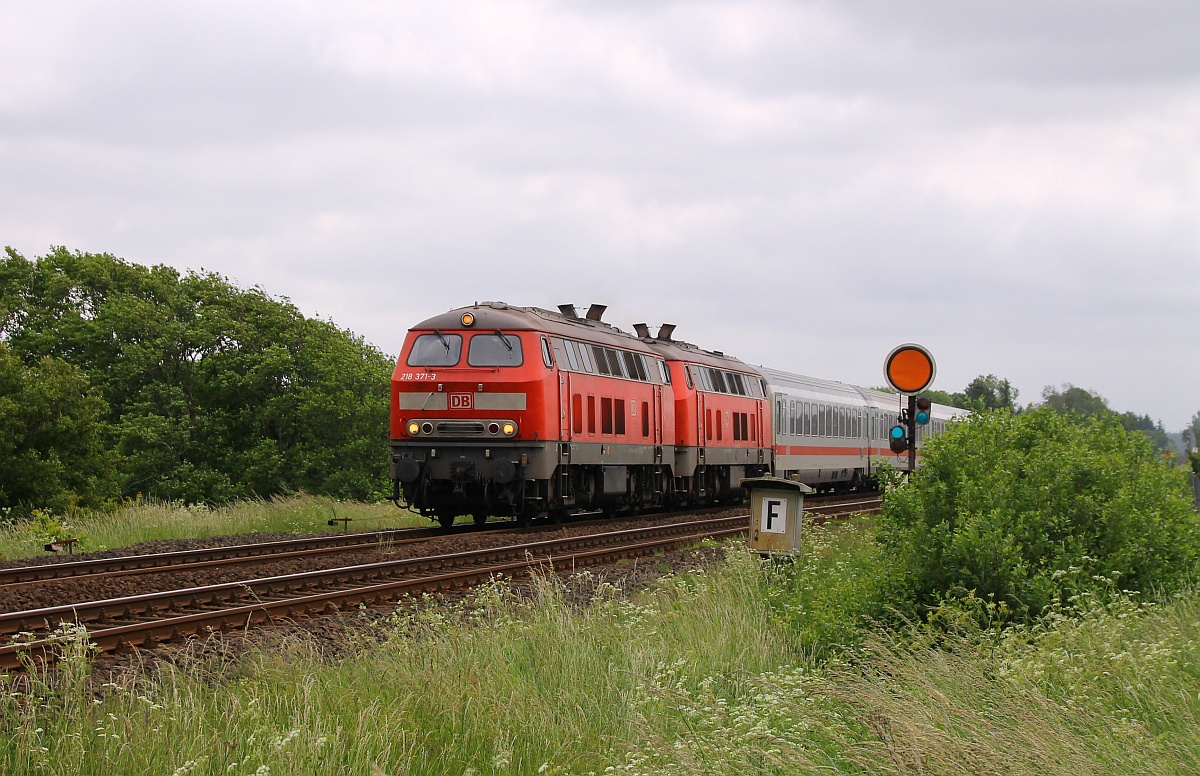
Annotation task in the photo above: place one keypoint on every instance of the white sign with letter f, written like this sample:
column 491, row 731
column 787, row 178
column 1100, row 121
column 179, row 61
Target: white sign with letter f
column 774, row 515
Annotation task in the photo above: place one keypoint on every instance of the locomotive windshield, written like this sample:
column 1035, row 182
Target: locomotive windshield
column 495, row 349
column 435, row 349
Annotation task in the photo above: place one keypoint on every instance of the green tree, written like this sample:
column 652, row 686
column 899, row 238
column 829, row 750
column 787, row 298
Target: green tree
column 1029, row 509
column 213, row 392
column 1073, row 399
column 988, row 392
column 1082, row 403
column 52, row 452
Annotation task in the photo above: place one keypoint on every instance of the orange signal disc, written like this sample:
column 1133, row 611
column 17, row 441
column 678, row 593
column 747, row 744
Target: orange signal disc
column 909, row 369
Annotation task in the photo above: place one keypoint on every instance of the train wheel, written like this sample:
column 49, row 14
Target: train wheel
column 480, row 518
column 446, row 520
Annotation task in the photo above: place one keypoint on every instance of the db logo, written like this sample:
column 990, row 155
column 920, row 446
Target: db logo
column 460, row 401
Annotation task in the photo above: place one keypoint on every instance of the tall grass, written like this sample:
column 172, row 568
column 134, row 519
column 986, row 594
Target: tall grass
column 705, row 673
column 148, row 521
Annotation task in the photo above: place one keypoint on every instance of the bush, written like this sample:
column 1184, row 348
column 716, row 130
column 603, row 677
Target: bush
column 1030, row 510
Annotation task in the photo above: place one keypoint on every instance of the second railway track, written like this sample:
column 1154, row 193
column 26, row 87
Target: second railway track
column 310, row 547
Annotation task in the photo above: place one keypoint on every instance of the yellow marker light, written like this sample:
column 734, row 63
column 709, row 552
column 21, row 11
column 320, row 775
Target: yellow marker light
column 509, row 429
column 468, row 319
column 413, row 428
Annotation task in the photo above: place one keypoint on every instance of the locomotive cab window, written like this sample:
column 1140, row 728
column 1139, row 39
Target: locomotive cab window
column 495, row 349
column 546, row 353
column 435, row 350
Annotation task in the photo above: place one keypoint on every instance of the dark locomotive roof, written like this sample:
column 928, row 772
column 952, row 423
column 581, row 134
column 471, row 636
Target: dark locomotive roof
column 675, row 350
column 490, row 316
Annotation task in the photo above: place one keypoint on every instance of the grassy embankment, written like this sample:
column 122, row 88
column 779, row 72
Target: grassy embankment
column 150, row 521
column 734, row 670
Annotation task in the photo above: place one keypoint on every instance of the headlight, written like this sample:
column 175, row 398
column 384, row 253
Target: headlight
column 413, row 428
column 509, row 429
column 468, row 319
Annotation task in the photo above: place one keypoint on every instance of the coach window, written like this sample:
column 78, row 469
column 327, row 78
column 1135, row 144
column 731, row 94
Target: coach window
column 645, row 419
column 631, row 365
column 718, row 380
column 600, row 360
column 435, row 349
column 613, row 362
column 572, row 355
column 546, row 353
column 585, row 358
column 639, row 363
column 619, row 415
column 591, row 414
column 495, row 349
column 841, row 418
column 577, row 413
column 606, row 416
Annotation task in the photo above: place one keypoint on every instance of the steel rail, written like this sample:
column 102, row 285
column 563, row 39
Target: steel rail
column 481, row 565
column 151, row 562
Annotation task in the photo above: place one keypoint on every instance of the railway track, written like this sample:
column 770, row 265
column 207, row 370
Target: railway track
column 265, row 552
column 147, row 620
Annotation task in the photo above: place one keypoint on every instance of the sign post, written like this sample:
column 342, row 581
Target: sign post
column 910, row 369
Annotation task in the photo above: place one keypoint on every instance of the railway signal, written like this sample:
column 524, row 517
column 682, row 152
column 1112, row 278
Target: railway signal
column 909, row 369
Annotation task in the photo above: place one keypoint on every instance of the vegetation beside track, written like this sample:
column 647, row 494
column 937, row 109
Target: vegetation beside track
column 708, row 672
column 148, row 521
column 827, row 664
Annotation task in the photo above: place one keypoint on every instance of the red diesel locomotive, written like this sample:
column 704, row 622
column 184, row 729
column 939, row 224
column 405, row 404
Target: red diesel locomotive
column 501, row 410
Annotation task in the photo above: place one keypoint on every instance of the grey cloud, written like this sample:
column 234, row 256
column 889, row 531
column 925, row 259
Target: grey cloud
column 764, row 175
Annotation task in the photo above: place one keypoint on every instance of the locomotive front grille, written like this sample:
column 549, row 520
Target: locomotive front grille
column 460, row 428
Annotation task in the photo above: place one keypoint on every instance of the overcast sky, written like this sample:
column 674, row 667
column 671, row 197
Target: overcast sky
column 1015, row 185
